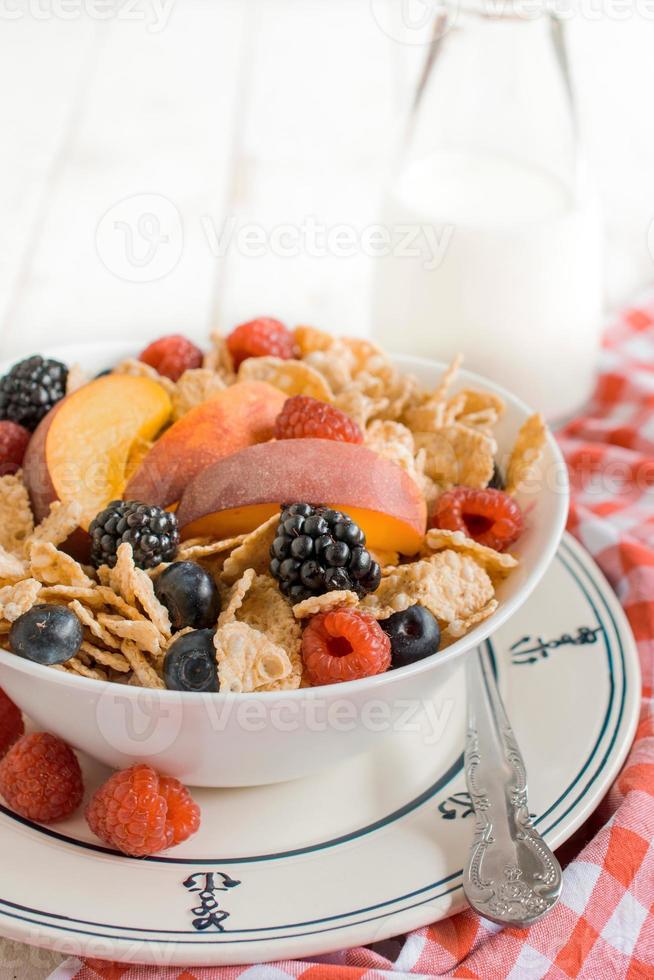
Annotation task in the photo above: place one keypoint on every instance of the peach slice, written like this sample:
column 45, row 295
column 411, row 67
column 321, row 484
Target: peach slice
column 241, row 491
column 239, row 416
column 82, row 448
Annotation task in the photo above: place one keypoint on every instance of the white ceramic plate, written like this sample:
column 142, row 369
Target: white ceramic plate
column 366, row 850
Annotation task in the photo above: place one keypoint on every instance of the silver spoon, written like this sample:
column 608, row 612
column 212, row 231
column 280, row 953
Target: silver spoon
column 511, row 876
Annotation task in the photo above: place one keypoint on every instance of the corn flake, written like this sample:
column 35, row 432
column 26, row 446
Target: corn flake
column 146, row 675
column 496, row 563
column 16, row 521
column 60, row 523
column 335, row 364
column 264, row 608
column 11, row 567
column 248, row 660
column 450, row 585
column 93, row 625
column 252, row 552
column 195, row 549
column 18, row 599
column 323, row 603
column 526, row 453
column 132, row 584
column 139, row 369
column 310, row 339
column 193, row 388
column 236, row 596
column 54, row 567
column 459, row 627
column 290, row 376
column 63, row 594
column 219, row 360
column 141, row 632
column 457, row 454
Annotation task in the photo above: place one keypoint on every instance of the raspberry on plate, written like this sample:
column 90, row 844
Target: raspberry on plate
column 40, row 778
column 172, row 355
column 11, row 723
column 491, row 517
column 140, row 812
column 13, row 443
column 303, row 417
column 258, row 338
column 344, row 645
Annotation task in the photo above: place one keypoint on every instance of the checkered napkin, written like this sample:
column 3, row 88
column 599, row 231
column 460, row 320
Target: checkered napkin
column 603, row 927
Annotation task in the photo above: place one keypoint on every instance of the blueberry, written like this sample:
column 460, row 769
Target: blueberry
column 190, row 663
column 189, row 594
column 46, row 634
column 414, row 634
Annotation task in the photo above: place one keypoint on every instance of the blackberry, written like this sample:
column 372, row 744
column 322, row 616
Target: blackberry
column 151, row 531
column 31, row 389
column 319, row 550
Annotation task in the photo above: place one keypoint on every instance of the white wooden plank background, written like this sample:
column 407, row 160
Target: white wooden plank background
column 267, row 113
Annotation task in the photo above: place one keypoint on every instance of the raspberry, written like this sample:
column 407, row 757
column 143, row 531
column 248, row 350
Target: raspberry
column 13, row 443
column 258, row 338
column 344, row 645
column 40, row 778
column 303, row 417
column 488, row 516
column 140, row 812
column 11, row 723
column 172, row 355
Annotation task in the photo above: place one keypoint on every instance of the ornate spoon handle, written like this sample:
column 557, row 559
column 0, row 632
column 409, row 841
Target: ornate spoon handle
column 511, row 876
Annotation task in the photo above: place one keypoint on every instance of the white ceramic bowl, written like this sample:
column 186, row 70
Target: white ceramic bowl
column 248, row 739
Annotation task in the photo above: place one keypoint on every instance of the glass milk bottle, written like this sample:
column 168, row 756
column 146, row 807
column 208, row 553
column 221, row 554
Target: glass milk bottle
column 496, row 244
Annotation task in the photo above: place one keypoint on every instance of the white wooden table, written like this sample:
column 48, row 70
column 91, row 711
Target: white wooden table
column 131, row 143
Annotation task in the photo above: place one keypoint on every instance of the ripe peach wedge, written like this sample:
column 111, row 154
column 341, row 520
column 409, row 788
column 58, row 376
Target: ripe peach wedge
column 82, row 448
column 238, row 493
column 230, row 420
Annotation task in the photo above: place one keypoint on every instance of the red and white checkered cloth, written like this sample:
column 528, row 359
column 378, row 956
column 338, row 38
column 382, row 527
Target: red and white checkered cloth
column 603, row 927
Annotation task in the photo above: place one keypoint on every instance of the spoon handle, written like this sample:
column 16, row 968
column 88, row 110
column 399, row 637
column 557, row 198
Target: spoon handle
column 511, row 876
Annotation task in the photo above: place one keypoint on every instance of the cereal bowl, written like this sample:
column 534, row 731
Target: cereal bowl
column 242, row 739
